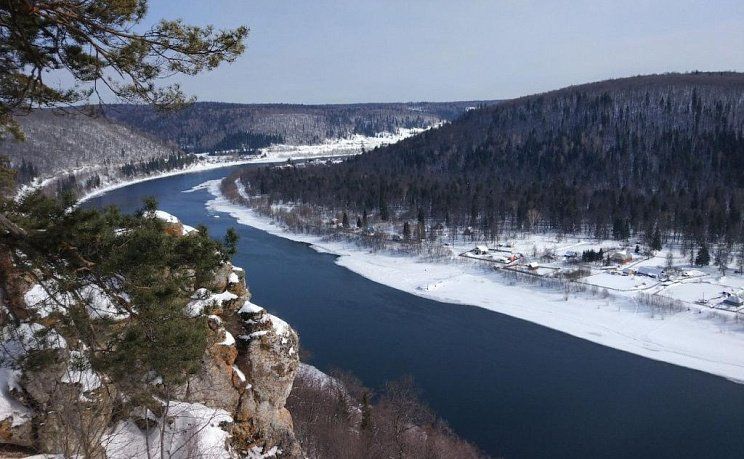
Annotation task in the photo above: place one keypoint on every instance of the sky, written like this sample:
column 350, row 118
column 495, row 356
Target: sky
column 334, row 51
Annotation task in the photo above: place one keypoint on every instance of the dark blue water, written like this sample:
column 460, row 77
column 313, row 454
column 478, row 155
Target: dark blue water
column 514, row 388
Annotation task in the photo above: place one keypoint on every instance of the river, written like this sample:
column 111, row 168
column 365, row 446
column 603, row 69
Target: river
column 516, row 389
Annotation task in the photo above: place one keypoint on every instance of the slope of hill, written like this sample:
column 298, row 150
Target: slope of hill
column 211, row 126
column 614, row 158
column 58, row 141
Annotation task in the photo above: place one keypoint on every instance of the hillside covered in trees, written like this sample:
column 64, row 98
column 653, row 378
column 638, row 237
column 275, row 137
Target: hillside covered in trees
column 659, row 154
column 212, row 126
column 57, row 140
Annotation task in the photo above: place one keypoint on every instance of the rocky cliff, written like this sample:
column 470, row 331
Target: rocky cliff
column 55, row 402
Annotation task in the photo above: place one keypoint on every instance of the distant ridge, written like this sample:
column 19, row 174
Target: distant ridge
column 206, row 125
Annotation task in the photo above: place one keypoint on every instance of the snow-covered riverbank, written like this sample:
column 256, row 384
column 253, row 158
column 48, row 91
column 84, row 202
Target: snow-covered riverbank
column 332, row 148
column 690, row 339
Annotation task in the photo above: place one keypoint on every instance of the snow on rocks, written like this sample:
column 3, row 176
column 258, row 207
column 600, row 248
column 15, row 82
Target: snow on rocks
column 191, row 430
column 10, row 408
column 229, row 340
column 163, row 216
column 250, row 308
column 45, row 300
column 203, row 299
column 79, row 372
column 29, row 337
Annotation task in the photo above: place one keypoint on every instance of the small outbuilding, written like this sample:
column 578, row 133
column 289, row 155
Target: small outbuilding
column 650, row 271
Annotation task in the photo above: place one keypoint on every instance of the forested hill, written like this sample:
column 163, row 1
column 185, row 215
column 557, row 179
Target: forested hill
column 64, row 140
column 208, row 126
column 611, row 158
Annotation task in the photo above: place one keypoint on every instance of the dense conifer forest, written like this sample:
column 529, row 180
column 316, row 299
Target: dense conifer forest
column 654, row 155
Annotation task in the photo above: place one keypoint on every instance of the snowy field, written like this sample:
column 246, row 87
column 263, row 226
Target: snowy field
column 695, row 337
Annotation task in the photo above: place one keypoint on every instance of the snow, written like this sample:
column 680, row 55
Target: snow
column 189, row 229
column 691, row 338
column 194, row 432
column 79, row 372
column 9, row 406
column 18, row 340
column 100, row 305
column 233, row 278
column 229, row 340
column 163, row 216
column 203, row 298
column 46, row 300
column 240, row 374
column 257, row 452
column 250, row 308
column 281, row 328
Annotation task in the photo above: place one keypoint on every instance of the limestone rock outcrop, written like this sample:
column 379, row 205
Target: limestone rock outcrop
column 233, row 406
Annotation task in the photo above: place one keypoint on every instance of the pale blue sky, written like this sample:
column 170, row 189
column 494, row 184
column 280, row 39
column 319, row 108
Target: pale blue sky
column 333, row 51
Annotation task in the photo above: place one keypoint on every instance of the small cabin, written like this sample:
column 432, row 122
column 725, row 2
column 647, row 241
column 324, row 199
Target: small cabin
column 533, row 266
column 480, row 250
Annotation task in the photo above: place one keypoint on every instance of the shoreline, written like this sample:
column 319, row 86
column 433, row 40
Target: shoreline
column 329, row 149
column 688, row 339
column 198, row 167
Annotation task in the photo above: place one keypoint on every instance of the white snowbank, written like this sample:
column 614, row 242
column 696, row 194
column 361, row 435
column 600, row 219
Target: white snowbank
column 194, row 431
column 250, row 308
column 688, row 339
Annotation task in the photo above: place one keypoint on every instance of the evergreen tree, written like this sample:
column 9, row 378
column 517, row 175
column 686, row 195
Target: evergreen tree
column 97, row 41
column 656, row 240
column 345, row 220
column 703, row 257
column 406, row 231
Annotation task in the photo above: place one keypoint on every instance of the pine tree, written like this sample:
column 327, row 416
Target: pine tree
column 98, row 41
column 345, row 220
column 406, row 231
column 703, row 257
column 656, row 240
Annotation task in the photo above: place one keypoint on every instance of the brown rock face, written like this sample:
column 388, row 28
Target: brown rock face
column 248, row 373
column 268, row 358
